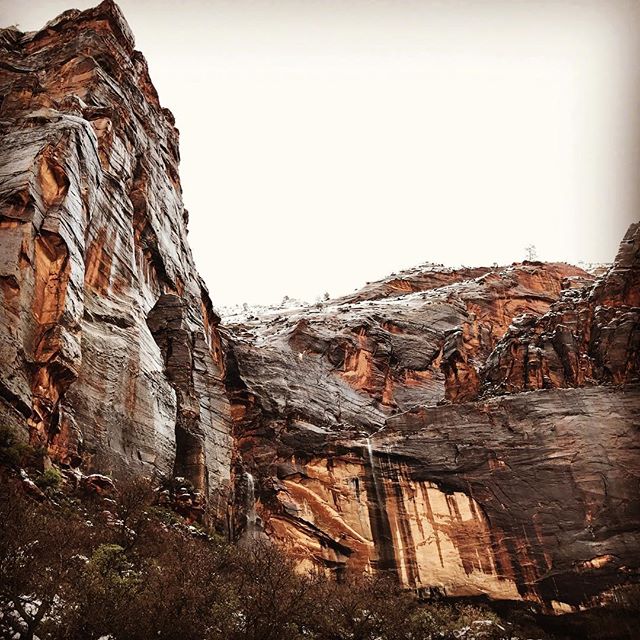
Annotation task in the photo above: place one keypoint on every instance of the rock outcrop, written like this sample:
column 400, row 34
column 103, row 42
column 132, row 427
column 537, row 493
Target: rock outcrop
column 379, row 438
column 590, row 336
column 111, row 356
column 469, row 431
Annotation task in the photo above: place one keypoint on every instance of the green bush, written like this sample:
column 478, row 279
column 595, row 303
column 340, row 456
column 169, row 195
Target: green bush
column 13, row 451
column 165, row 515
column 50, row 479
column 110, row 560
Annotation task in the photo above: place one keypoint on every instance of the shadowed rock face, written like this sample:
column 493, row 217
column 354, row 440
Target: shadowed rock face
column 472, row 431
column 96, row 276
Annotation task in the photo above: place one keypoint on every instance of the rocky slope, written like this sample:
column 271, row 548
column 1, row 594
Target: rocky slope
column 470, row 431
column 110, row 352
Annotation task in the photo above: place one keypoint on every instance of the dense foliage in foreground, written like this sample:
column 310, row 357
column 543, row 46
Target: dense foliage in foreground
column 118, row 567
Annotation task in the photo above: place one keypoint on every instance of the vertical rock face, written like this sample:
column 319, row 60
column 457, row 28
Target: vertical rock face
column 110, row 349
column 591, row 335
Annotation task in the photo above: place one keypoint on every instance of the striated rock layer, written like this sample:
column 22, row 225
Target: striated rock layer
column 381, row 439
column 469, row 431
column 111, row 355
column 591, row 335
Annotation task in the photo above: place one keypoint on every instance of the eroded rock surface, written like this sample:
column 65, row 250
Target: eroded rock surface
column 379, row 439
column 96, row 275
column 471, row 431
column 590, row 335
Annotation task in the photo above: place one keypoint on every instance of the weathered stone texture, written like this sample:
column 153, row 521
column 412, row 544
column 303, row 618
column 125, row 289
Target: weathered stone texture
column 591, row 335
column 378, row 443
column 93, row 240
column 473, row 431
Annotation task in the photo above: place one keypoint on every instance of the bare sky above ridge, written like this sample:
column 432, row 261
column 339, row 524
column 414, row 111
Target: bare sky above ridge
column 325, row 143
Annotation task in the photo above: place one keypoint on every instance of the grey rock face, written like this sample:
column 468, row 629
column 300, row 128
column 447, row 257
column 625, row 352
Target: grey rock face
column 379, row 442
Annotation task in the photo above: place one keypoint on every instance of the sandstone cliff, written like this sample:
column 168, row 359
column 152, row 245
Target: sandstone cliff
column 470, row 431
column 111, row 356
column 379, row 438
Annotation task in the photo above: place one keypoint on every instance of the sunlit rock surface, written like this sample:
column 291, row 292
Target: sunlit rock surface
column 96, row 277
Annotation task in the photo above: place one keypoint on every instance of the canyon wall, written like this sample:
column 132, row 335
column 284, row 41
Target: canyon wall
column 111, row 356
column 472, row 432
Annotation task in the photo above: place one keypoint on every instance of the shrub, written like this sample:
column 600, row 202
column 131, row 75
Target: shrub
column 109, row 559
column 133, row 576
column 50, row 479
column 449, row 621
column 41, row 551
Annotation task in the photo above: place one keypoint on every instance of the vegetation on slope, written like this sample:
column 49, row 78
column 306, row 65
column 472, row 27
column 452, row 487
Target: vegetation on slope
column 117, row 566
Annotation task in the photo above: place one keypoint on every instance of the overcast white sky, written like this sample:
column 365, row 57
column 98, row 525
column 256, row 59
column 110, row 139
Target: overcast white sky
column 326, row 143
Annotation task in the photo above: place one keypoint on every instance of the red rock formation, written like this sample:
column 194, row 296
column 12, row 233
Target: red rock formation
column 472, row 431
column 371, row 451
column 93, row 245
column 592, row 335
